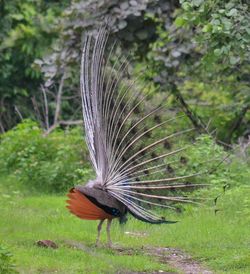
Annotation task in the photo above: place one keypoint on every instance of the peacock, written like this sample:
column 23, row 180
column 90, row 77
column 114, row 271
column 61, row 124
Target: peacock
column 133, row 162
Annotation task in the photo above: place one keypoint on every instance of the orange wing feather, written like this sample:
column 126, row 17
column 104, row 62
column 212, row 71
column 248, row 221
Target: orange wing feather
column 82, row 207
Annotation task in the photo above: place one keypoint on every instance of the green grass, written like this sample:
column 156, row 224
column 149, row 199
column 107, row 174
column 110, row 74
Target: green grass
column 219, row 241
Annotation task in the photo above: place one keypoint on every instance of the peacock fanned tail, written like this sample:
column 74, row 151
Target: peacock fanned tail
column 132, row 149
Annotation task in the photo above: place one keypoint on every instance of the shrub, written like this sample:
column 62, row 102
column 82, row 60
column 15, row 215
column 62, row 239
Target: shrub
column 49, row 164
column 7, row 265
column 59, row 161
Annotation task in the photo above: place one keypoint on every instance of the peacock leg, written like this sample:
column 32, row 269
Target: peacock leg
column 108, row 232
column 99, row 227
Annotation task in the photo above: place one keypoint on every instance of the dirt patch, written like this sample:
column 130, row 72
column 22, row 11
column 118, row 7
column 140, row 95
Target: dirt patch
column 154, row 272
column 178, row 259
column 173, row 257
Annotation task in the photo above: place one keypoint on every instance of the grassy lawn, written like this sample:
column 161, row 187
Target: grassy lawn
column 221, row 241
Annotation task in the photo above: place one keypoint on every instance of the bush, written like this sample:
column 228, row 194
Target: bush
column 50, row 164
column 7, row 265
column 59, row 161
column 228, row 176
column 223, row 171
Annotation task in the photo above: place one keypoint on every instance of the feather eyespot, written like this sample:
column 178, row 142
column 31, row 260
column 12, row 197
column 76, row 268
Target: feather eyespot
column 166, row 144
column 183, row 160
column 169, row 169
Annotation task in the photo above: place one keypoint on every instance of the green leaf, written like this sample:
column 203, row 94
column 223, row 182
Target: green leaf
column 232, row 12
column 217, row 52
column 17, row 16
column 216, row 22
column 180, row 21
column 233, row 60
column 186, row 6
column 207, row 28
column 198, row 3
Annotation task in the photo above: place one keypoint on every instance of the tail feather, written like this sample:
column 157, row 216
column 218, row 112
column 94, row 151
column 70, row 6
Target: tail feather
column 137, row 158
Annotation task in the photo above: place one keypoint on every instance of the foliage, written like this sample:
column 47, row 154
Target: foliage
column 208, row 44
column 221, row 170
column 222, row 26
column 27, row 31
column 184, row 45
column 59, row 161
column 52, row 163
column 7, row 265
column 125, row 19
column 127, row 23
column 222, row 30
column 179, row 44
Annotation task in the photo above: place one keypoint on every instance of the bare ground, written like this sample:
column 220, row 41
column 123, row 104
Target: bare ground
column 173, row 257
column 179, row 260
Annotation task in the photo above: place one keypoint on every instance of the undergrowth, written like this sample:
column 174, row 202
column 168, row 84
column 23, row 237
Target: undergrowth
column 51, row 163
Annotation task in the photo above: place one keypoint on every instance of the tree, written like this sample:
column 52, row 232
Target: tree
column 27, row 31
column 209, row 43
column 183, row 46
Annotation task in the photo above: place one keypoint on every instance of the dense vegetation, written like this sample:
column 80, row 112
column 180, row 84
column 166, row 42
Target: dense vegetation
column 47, row 164
column 196, row 52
